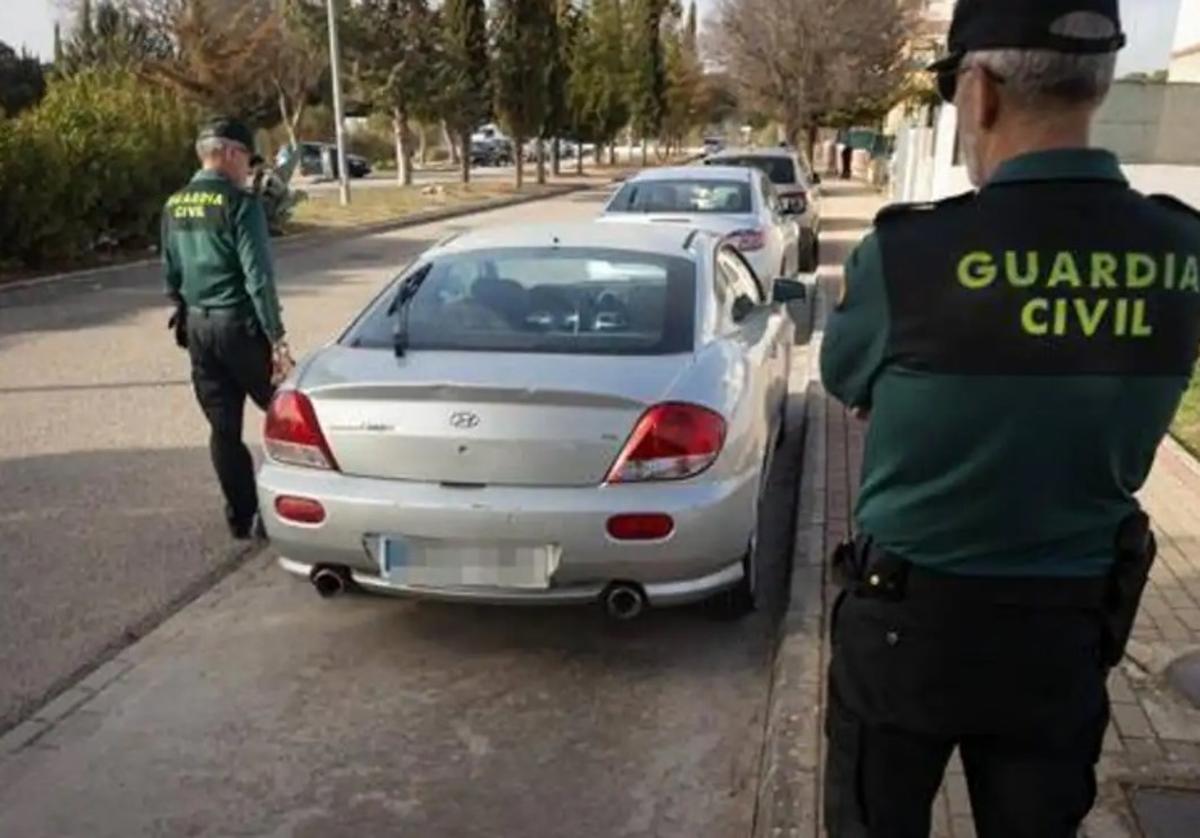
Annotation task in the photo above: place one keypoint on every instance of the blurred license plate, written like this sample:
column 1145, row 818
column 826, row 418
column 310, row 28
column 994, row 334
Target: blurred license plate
column 431, row 563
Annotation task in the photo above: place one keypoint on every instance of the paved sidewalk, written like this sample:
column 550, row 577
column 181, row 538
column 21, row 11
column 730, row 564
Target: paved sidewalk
column 1151, row 763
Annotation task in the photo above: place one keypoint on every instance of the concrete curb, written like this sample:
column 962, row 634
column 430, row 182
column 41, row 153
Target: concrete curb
column 789, row 784
column 305, row 240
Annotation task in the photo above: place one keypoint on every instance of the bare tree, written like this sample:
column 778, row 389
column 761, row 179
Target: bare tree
column 798, row 60
column 223, row 53
column 300, row 61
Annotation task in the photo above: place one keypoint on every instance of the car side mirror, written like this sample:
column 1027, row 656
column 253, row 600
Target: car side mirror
column 743, row 307
column 789, row 291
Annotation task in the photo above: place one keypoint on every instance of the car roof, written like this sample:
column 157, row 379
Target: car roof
column 650, row 238
column 739, row 173
column 753, row 152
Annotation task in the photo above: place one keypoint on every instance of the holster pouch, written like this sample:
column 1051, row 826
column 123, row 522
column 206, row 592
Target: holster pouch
column 1135, row 551
column 863, row 569
column 848, row 564
column 178, row 324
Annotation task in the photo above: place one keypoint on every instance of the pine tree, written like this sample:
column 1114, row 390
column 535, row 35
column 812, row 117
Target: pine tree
column 599, row 99
column 647, row 77
column 465, row 98
column 523, row 55
column 391, row 46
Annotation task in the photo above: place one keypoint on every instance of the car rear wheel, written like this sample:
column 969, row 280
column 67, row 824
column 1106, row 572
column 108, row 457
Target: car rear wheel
column 742, row 599
column 811, row 259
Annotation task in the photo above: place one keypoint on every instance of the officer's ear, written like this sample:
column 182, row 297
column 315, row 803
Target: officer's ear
column 987, row 99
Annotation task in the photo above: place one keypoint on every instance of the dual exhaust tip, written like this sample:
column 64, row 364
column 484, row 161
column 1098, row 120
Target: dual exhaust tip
column 622, row 601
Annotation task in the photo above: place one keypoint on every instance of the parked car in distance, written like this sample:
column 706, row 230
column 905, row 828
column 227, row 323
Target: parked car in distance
column 712, row 145
column 737, row 203
column 798, row 186
column 544, row 414
column 491, row 153
column 311, row 160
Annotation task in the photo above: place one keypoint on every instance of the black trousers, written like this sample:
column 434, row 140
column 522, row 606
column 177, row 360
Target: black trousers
column 231, row 359
column 1020, row 690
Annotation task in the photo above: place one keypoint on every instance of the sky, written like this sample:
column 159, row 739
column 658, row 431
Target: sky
column 1150, row 24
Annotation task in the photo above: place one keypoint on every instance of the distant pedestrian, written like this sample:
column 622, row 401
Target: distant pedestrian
column 847, row 160
column 217, row 256
column 1020, row 351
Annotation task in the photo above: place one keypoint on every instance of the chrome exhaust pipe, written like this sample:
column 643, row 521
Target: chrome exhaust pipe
column 330, row 581
column 624, row 602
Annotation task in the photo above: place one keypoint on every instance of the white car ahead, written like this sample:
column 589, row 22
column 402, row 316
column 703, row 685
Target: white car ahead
column 737, row 203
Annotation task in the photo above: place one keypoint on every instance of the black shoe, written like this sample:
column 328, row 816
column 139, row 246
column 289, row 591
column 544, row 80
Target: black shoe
column 242, row 530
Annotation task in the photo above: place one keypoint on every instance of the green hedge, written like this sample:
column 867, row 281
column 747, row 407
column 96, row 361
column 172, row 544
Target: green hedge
column 90, row 167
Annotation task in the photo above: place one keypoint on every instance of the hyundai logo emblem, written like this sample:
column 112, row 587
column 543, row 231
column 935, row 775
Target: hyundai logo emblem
column 464, row 420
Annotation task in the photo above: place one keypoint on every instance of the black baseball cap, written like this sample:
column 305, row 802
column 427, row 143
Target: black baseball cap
column 234, row 130
column 1024, row 24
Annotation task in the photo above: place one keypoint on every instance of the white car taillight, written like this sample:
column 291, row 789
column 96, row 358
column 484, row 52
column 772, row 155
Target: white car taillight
column 292, row 434
column 670, row 442
column 747, row 240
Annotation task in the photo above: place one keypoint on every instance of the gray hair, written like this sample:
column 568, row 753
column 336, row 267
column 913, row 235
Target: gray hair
column 210, row 146
column 1038, row 78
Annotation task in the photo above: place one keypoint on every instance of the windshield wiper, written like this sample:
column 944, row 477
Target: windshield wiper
column 400, row 306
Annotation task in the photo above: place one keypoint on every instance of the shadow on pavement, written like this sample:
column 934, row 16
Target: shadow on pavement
column 267, row 711
column 96, row 546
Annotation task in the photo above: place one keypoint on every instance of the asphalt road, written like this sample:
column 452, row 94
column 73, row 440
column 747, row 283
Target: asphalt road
column 108, row 508
column 259, row 709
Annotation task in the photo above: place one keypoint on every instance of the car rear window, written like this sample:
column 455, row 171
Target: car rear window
column 684, row 196
column 778, row 169
column 545, row 300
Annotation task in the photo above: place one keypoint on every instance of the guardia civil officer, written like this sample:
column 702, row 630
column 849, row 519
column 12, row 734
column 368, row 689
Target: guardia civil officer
column 1020, row 351
column 219, row 273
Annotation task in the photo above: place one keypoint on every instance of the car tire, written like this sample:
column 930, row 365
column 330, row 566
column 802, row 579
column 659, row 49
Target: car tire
column 742, row 599
column 811, row 258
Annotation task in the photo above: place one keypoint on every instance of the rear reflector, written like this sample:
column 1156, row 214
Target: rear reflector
column 292, row 434
column 642, row 527
column 299, row 510
column 670, row 442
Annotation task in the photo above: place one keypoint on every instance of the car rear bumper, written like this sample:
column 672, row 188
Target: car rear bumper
column 658, row 594
column 714, row 521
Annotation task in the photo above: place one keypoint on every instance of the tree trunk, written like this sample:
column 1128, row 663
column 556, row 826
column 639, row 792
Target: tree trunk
column 579, row 161
column 423, row 144
column 464, row 158
column 404, row 174
column 541, row 162
column 519, row 154
column 449, row 143
column 556, row 158
column 612, row 153
column 599, row 150
column 812, row 143
column 286, row 116
column 645, row 152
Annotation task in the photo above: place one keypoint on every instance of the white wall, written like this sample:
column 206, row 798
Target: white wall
column 1185, row 68
column 1187, row 29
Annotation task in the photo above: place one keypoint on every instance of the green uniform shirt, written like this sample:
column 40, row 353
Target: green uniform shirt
column 993, row 474
column 216, row 249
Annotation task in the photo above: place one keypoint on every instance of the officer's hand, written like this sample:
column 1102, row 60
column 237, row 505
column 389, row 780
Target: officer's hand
column 178, row 324
column 282, row 362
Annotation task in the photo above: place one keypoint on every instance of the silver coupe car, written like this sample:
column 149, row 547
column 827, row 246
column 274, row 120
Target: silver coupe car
column 555, row 414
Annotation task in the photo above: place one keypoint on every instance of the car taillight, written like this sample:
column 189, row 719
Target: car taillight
column 670, row 442
column 641, row 527
column 292, row 434
column 747, row 240
column 299, row 510
column 796, row 202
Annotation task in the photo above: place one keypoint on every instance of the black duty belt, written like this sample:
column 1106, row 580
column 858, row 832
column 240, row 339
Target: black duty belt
column 220, row 311
column 866, row 570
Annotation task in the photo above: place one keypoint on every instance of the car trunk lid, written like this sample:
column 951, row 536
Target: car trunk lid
column 464, row 418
